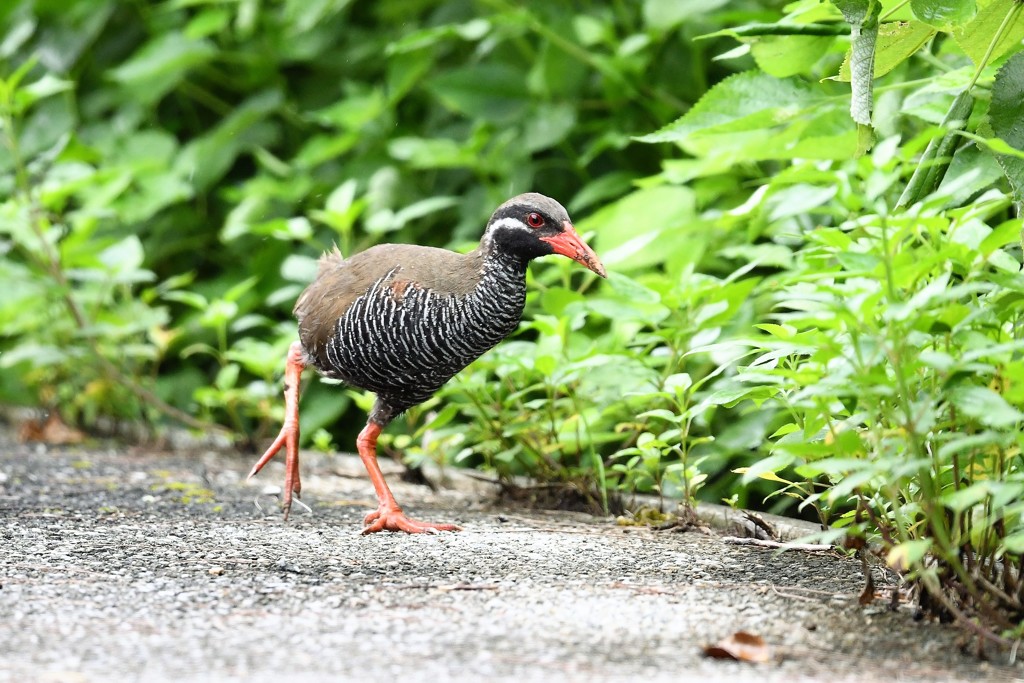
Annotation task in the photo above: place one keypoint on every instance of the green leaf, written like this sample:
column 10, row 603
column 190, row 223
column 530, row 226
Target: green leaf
column 783, row 56
column 747, row 101
column 412, row 41
column 665, row 15
column 240, row 289
column 781, row 28
column 193, row 299
column 1007, row 232
column 678, row 383
column 218, row 313
column 547, row 125
column 944, row 13
column 626, row 229
column 207, row 158
column 208, row 22
column 17, row 34
column 1006, row 114
column 439, row 420
column 494, row 92
column 975, row 37
column 160, row 65
column 432, row 153
column 227, row 377
column 855, row 12
column 1014, row 543
column 985, row 406
column 967, row 497
column 897, row 41
column 45, row 87
column 770, row 465
column 124, row 260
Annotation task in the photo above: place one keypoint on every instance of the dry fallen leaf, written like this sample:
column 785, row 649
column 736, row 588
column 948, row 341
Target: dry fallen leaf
column 53, row 431
column 740, row 646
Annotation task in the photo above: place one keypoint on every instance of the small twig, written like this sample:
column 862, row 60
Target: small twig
column 760, row 523
column 806, row 547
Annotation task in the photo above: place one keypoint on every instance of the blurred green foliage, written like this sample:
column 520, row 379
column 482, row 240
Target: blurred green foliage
column 811, row 214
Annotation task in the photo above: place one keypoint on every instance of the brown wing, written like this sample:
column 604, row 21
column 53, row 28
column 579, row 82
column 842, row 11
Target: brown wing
column 341, row 281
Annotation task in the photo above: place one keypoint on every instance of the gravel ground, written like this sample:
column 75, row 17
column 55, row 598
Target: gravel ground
column 119, row 564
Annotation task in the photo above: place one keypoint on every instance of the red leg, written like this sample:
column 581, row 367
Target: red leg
column 388, row 516
column 289, row 435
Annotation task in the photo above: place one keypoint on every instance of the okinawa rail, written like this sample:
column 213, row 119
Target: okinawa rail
column 400, row 320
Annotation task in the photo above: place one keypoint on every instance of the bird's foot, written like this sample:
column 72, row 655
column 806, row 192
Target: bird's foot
column 288, row 438
column 391, row 518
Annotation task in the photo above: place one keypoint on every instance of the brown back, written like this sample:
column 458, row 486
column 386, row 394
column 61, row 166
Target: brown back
column 341, row 281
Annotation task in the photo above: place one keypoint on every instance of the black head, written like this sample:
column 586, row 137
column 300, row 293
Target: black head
column 531, row 225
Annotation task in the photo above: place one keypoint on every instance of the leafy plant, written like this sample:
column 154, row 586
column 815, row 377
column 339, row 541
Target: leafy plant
column 890, row 334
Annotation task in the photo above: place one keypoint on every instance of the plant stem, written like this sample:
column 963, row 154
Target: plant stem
column 893, row 10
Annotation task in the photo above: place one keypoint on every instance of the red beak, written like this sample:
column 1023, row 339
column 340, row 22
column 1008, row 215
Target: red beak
column 569, row 243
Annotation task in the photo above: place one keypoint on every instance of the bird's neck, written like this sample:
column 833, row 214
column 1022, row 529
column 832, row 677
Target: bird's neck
column 500, row 262
column 502, row 278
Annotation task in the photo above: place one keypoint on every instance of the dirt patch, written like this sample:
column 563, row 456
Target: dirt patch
column 124, row 565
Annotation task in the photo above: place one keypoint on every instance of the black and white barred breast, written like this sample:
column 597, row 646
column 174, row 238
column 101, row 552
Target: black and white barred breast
column 403, row 341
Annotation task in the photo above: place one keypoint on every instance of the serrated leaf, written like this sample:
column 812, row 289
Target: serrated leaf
column 744, row 102
column 1006, row 116
column 975, row 36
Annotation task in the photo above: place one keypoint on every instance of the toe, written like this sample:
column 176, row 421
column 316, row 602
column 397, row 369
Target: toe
column 392, row 520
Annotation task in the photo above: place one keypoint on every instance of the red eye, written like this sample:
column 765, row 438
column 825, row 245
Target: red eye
column 535, row 220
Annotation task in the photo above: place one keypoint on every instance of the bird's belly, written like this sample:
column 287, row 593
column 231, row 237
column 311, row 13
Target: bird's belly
column 407, row 346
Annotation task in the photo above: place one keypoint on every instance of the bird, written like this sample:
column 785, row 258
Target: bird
column 400, row 320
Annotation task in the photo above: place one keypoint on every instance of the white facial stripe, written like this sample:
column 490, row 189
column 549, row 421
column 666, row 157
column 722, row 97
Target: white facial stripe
column 509, row 222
